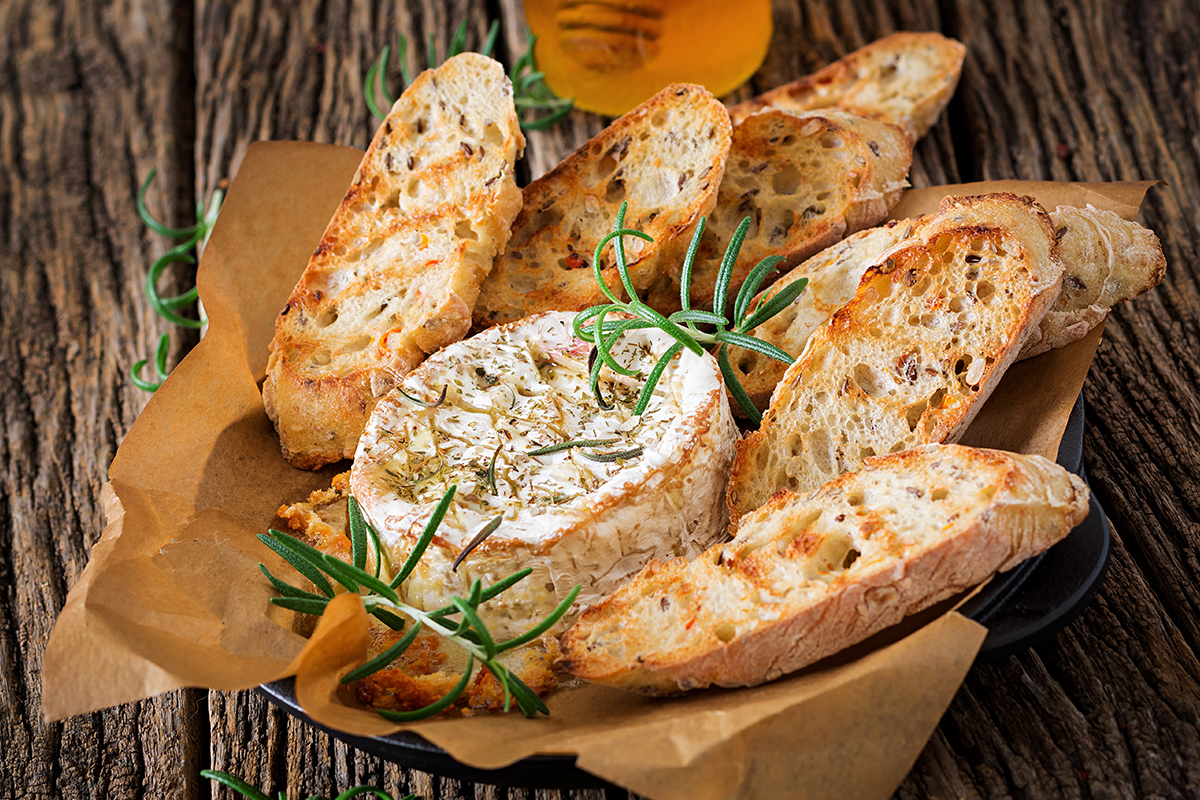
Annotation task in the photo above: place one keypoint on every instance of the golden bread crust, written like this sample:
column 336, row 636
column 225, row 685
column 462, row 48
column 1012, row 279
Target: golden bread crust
column 665, row 159
column 906, row 79
column 805, row 181
column 912, row 357
column 398, row 270
column 809, row 575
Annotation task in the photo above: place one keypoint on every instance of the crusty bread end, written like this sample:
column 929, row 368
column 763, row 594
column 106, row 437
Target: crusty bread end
column 1106, row 260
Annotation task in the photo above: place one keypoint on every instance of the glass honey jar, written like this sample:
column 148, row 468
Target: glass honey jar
column 611, row 55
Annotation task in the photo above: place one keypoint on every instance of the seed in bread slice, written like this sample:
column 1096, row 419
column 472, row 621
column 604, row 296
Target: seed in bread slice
column 809, row 575
column 397, row 272
column 665, row 159
column 1105, row 260
column 805, row 181
column 912, row 357
column 905, row 79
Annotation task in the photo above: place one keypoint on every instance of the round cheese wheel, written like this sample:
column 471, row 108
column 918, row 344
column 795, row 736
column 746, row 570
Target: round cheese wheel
column 592, row 515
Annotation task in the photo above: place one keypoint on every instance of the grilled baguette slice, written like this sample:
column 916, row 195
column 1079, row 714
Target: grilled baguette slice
column 833, row 276
column 397, row 272
column 809, row 575
column 911, row 358
column 665, row 158
column 905, row 79
column 1105, row 260
column 805, row 181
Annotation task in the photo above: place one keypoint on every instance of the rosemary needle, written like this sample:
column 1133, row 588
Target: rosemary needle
column 195, row 237
column 557, row 448
column 477, row 540
column 621, row 455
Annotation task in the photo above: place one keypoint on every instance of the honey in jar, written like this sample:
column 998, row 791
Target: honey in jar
column 611, row 55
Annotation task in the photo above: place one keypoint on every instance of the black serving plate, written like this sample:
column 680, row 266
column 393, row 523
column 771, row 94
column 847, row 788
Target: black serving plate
column 1020, row 608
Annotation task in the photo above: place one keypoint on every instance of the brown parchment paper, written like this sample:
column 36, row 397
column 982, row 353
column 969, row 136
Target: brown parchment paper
column 172, row 595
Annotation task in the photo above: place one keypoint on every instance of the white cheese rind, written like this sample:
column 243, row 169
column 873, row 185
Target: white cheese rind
column 520, row 387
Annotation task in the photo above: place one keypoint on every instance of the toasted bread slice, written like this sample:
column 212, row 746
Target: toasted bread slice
column 905, row 79
column 397, row 272
column 665, row 159
column 805, row 181
column 912, row 357
column 809, row 575
column 833, row 276
column 1105, row 260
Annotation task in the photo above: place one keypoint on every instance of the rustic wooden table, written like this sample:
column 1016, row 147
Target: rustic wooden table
column 95, row 94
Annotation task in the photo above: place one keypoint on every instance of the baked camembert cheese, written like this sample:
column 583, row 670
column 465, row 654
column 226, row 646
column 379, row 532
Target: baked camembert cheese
column 585, row 514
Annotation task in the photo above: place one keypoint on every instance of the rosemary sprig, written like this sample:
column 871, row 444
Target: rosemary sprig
column 530, row 93
column 381, row 600
column 592, row 326
column 246, row 790
column 195, row 237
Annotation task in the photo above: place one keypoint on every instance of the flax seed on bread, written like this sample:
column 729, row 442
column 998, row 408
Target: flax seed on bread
column 805, row 181
column 911, row 358
column 808, row 575
column 665, row 159
column 397, row 272
column 905, row 79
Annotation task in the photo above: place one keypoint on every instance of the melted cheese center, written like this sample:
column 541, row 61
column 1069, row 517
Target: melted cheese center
column 511, row 396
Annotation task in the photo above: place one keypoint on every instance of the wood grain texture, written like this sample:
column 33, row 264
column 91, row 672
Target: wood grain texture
column 90, row 100
column 94, row 94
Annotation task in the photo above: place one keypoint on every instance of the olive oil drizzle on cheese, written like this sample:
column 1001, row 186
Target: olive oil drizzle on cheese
column 497, row 408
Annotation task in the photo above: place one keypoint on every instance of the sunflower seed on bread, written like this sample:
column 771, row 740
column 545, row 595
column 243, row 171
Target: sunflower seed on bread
column 664, row 158
column 805, row 181
column 809, row 575
column 905, row 79
column 912, row 357
column 1105, row 260
column 397, row 272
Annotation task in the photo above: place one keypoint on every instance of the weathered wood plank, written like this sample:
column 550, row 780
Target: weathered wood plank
column 1103, row 108
column 90, row 100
